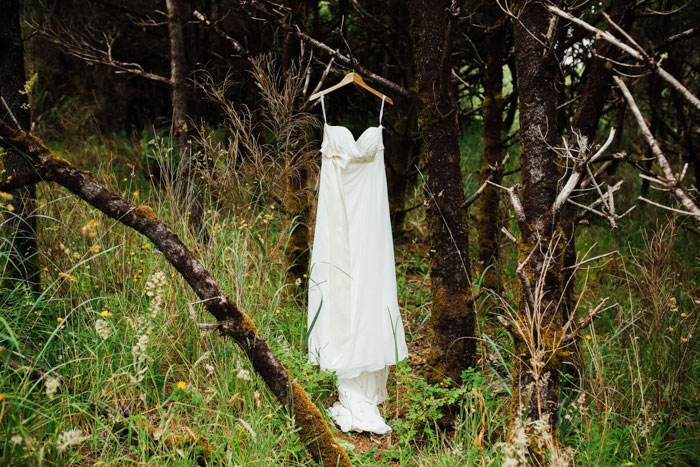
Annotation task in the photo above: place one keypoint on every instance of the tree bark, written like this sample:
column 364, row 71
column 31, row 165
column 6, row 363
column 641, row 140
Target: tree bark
column 192, row 193
column 232, row 321
column 452, row 318
column 21, row 224
column 537, row 359
column 488, row 216
column 296, row 201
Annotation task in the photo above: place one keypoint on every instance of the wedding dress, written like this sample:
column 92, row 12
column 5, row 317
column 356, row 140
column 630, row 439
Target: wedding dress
column 353, row 314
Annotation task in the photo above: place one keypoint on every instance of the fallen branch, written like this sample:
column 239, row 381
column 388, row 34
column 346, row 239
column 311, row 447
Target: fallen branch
column 236, row 324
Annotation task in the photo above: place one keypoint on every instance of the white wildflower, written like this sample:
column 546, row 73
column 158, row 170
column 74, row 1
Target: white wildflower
column 103, row 328
column 16, row 440
column 52, row 385
column 210, row 369
column 249, row 428
column 70, row 438
column 244, row 375
column 155, row 284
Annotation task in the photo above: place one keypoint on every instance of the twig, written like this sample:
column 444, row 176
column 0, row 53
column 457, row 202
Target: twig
column 592, row 259
column 12, row 114
column 587, row 320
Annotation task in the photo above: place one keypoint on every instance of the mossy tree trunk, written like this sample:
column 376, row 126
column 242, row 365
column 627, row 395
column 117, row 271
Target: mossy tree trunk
column 232, row 321
column 21, row 224
column 489, row 214
column 453, row 345
column 537, row 359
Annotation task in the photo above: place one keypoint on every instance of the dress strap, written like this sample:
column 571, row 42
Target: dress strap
column 381, row 112
column 323, row 107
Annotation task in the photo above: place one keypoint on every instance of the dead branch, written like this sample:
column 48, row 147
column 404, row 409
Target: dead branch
column 234, row 322
column 217, row 29
column 670, row 179
column 86, row 48
column 344, row 59
column 636, row 52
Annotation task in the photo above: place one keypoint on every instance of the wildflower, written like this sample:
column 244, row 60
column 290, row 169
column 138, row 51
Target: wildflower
column 684, row 315
column 96, row 249
column 124, row 179
column 1, row 397
column 70, row 438
column 588, row 337
column 51, row 385
column 136, row 193
column 16, row 440
column 250, row 286
column 59, row 319
column 106, row 314
column 297, row 282
column 244, row 375
column 102, row 328
column 305, row 275
column 670, row 328
column 181, row 385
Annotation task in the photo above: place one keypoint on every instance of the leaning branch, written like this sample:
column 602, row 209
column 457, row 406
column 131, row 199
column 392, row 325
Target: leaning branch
column 234, row 322
column 670, row 181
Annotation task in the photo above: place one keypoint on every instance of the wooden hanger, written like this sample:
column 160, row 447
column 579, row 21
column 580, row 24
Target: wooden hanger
column 351, row 77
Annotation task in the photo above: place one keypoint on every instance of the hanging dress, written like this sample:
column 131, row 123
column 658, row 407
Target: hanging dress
column 353, row 314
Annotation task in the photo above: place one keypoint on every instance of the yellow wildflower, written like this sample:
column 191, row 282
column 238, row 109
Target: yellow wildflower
column 106, row 314
column 588, row 337
column 181, row 385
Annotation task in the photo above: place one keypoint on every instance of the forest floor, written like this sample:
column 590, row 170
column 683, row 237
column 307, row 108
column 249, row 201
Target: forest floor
column 107, row 366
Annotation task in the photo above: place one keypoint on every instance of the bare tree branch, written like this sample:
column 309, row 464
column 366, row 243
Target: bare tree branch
column 637, row 53
column 671, row 182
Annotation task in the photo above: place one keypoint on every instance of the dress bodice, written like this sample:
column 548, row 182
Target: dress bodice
column 340, row 145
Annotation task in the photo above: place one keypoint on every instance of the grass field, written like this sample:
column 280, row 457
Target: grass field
column 108, row 366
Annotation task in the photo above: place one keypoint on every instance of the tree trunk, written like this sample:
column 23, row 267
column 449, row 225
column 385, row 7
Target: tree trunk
column 489, row 217
column 296, row 201
column 452, row 318
column 232, row 321
column 21, row 224
column 192, row 193
column 537, row 358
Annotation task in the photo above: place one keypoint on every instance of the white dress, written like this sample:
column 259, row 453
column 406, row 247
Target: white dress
column 353, row 315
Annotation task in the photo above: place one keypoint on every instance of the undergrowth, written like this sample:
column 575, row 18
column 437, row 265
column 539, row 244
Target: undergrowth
column 107, row 366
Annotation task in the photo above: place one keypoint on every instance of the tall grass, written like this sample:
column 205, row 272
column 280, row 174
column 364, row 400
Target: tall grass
column 103, row 369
